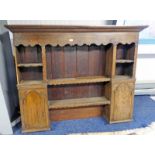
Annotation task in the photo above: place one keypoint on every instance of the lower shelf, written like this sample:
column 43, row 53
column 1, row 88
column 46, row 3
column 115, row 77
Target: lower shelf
column 81, row 102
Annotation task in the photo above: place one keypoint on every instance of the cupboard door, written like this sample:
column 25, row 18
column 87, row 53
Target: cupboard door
column 122, row 101
column 34, row 109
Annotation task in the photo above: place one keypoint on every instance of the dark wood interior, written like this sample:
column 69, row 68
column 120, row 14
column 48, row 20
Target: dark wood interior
column 29, row 54
column 30, row 73
column 76, row 113
column 29, row 60
column 76, row 61
column 125, row 59
column 125, row 51
column 75, row 91
column 124, row 69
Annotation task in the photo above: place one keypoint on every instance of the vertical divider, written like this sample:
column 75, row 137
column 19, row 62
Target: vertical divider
column 135, row 59
column 44, row 63
column 113, row 69
column 110, row 60
column 16, row 63
column 110, row 71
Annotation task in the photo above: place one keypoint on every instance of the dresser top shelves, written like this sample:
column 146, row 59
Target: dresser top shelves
column 77, row 28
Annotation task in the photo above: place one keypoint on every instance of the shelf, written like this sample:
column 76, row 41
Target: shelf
column 78, row 80
column 123, row 77
column 124, row 61
column 31, row 82
column 30, row 65
column 81, row 102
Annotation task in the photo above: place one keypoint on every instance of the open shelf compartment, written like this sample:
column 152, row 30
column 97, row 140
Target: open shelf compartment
column 78, row 61
column 125, row 60
column 125, row 53
column 125, row 69
column 30, row 74
column 77, row 75
column 77, row 95
column 28, row 54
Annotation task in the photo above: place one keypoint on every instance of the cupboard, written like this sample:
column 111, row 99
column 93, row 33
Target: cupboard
column 71, row 72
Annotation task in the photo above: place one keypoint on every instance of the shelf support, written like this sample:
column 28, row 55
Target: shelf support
column 135, row 59
column 17, row 70
column 113, row 60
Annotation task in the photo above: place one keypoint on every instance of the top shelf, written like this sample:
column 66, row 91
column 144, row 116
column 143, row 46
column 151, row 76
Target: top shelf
column 78, row 80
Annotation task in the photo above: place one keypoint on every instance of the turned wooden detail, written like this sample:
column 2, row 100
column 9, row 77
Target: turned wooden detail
column 72, row 72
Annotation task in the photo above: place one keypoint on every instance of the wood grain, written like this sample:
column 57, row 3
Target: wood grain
column 70, row 61
column 79, row 39
column 79, row 80
column 29, row 54
column 125, row 69
column 82, row 102
column 109, row 60
column 76, row 113
column 122, row 101
column 44, row 63
column 34, row 109
column 82, row 61
column 30, row 73
column 16, row 63
column 60, row 92
column 67, row 28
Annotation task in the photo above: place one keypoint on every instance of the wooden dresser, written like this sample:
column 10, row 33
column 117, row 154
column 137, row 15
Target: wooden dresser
column 72, row 72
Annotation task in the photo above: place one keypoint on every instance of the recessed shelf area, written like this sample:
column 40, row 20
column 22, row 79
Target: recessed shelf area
column 78, row 80
column 30, row 73
column 80, row 102
column 78, row 61
column 125, row 51
column 125, row 60
column 125, row 69
column 29, row 54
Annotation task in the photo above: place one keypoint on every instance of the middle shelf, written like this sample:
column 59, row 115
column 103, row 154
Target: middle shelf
column 30, row 65
column 79, row 80
column 80, row 102
column 124, row 61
